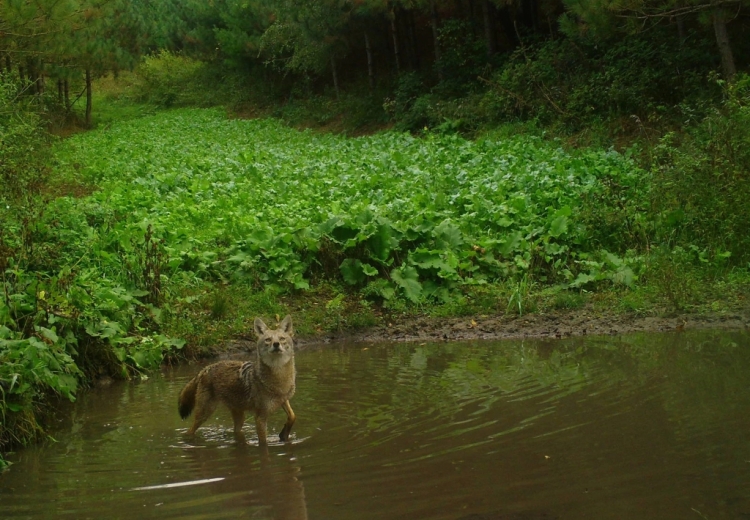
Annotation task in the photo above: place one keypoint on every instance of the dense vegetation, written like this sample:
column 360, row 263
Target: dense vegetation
column 152, row 236
column 256, row 201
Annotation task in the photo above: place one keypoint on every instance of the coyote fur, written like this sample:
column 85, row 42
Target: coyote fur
column 261, row 386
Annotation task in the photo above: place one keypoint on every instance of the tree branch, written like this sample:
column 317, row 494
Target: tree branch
column 644, row 14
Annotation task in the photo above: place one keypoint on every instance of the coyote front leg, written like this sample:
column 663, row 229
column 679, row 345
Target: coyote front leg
column 290, row 418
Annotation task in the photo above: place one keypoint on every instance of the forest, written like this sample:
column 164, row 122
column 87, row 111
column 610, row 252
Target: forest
column 171, row 168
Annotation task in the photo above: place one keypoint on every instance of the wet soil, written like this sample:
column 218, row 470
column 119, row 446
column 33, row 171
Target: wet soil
column 554, row 324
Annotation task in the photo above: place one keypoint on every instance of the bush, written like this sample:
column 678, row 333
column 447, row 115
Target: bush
column 168, row 79
column 702, row 183
column 23, row 143
column 576, row 82
column 463, row 58
column 62, row 319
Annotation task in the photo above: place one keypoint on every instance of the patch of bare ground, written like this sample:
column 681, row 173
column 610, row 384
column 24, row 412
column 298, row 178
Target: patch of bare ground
column 554, row 324
column 557, row 324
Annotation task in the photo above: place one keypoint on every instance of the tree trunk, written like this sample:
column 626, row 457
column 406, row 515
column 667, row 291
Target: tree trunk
column 66, row 94
column 335, row 77
column 394, row 33
column 60, row 98
column 370, row 69
column 31, row 73
column 411, row 25
column 21, row 73
column 88, row 98
column 35, row 76
column 529, row 14
column 506, row 21
column 8, row 64
column 489, row 34
column 681, row 30
column 719, row 16
column 435, row 40
column 472, row 8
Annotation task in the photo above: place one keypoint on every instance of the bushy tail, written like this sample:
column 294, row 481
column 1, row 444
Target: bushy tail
column 186, row 401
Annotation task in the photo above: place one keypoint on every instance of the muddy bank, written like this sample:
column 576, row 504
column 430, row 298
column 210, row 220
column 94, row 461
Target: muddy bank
column 550, row 325
column 556, row 324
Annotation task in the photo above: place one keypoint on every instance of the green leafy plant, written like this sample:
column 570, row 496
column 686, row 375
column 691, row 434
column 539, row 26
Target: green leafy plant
column 278, row 207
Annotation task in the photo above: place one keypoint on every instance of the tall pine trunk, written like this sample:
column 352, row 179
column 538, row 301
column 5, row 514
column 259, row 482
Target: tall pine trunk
column 489, row 34
column 66, row 94
column 394, row 33
column 434, row 21
column 335, row 77
column 88, row 98
column 719, row 16
column 411, row 29
column 681, row 30
column 370, row 68
column 509, row 30
column 31, row 76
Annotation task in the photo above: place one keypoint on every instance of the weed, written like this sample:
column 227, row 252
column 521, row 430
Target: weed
column 334, row 312
column 519, row 299
column 672, row 277
column 568, row 300
column 219, row 305
column 632, row 302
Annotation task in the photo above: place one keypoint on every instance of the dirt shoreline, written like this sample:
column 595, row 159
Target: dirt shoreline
column 555, row 324
column 548, row 325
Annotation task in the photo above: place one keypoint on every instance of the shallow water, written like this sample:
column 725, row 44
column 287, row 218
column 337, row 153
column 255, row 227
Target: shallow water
column 646, row 427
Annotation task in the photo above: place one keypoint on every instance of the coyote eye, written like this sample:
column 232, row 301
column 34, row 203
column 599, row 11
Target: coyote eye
column 268, row 340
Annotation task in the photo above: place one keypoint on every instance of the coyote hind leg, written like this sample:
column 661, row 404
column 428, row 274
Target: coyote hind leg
column 238, row 416
column 204, row 407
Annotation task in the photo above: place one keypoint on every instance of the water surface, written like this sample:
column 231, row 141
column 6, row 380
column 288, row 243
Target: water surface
column 643, row 427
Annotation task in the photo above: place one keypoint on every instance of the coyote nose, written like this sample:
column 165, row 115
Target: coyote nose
column 276, row 346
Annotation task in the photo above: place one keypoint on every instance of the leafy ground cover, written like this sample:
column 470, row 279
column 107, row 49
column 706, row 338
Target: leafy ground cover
column 391, row 214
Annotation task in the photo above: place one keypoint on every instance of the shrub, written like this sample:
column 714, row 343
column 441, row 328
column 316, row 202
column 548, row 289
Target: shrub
column 168, row 79
column 463, row 58
column 23, row 143
column 576, row 82
column 701, row 180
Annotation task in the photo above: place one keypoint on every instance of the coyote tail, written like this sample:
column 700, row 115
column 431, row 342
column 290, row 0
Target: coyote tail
column 186, row 401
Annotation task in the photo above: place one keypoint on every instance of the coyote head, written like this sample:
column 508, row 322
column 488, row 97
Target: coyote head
column 275, row 347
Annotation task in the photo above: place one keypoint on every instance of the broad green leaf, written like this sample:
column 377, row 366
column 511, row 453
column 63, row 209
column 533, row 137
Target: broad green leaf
column 352, row 272
column 449, row 234
column 382, row 242
column 408, row 279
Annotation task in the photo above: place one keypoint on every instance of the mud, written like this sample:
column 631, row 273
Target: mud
column 548, row 325
column 556, row 324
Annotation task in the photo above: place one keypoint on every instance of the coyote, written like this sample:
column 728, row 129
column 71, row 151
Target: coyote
column 260, row 386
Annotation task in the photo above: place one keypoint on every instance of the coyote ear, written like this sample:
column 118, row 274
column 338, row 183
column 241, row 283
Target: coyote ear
column 260, row 327
column 286, row 325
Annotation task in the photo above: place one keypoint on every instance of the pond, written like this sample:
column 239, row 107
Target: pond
column 650, row 426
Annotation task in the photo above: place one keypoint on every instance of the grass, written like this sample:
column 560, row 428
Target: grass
column 328, row 309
